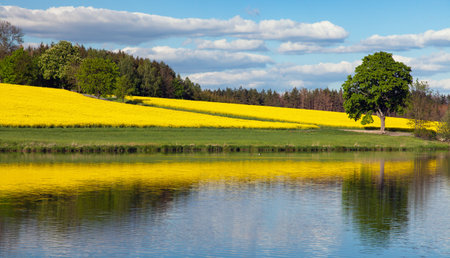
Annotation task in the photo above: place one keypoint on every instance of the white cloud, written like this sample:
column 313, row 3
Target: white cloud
column 410, row 41
column 427, row 65
column 279, row 77
column 296, row 83
column 440, row 38
column 88, row 24
column 235, row 45
column 430, row 65
column 290, row 30
column 299, row 48
column 320, row 69
column 184, row 60
column 441, row 85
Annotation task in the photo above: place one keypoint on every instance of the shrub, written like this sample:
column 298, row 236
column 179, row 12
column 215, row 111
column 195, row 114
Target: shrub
column 425, row 133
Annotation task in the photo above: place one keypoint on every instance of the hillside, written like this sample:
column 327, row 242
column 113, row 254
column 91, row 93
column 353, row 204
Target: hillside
column 295, row 115
column 26, row 106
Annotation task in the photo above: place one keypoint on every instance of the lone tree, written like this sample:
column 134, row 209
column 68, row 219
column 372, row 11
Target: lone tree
column 380, row 85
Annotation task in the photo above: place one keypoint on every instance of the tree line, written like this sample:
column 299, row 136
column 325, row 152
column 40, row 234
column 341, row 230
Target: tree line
column 318, row 99
column 94, row 71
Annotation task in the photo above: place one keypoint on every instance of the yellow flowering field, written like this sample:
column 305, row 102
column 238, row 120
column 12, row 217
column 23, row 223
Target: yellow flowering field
column 63, row 177
column 317, row 117
column 37, row 106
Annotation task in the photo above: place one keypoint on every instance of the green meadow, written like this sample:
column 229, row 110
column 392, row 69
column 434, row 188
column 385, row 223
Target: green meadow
column 155, row 139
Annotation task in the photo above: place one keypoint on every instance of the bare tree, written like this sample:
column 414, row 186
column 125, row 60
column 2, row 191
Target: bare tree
column 10, row 38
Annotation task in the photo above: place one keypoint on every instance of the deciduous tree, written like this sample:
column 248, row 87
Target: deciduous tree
column 18, row 68
column 97, row 76
column 422, row 109
column 56, row 63
column 151, row 81
column 128, row 68
column 10, row 38
column 123, row 87
column 444, row 127
column 380, row 85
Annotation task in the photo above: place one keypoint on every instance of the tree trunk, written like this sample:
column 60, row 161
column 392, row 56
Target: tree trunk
column 382, row 120
column 381, row 177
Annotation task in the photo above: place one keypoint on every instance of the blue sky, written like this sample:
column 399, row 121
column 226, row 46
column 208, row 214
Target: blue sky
column 254, row 44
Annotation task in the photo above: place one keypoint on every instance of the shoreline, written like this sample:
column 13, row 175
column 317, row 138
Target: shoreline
column 192, row 148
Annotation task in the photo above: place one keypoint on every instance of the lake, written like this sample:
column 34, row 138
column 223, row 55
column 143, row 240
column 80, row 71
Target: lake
column 274, row 205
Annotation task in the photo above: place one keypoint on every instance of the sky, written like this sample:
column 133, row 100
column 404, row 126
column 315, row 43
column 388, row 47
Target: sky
column 261, row 44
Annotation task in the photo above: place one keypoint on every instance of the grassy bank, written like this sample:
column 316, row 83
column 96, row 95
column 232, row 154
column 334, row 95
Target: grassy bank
column 168, row 140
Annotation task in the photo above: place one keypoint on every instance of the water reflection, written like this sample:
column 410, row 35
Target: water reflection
column 377, row 203
column 380, row 203
column 278, row 205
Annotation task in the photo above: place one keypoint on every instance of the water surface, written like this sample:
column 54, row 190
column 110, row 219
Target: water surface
column 330, row 204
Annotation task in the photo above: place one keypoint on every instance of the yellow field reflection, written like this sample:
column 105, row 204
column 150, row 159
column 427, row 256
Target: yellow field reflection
column 32, row 177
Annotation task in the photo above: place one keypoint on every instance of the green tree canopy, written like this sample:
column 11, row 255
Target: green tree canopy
column 97, row 76
column 191, row 90
column 18, row 68
column 128, row 68
column 123, row 87
column 151, row 81
column 178, row 87
column 380, row 85
column 56, row 62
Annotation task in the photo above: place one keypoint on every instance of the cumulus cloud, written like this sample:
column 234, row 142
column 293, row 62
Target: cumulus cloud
column 440, row 38
column 185, row 60
column 299, row 48
column 427, row 65
column 330, row 70
column 235, row 45
column 278, row 77
column 409, row 41
column 88, row 24
column 441, row 85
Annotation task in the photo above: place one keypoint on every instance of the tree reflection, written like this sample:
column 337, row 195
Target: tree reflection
column 70, row 210
column 377, row 204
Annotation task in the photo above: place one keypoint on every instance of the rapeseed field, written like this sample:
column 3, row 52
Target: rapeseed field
column 26, row 106
column 304, row 116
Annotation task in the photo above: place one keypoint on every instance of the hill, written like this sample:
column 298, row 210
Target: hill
column 26, row 106
column 293, row 115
